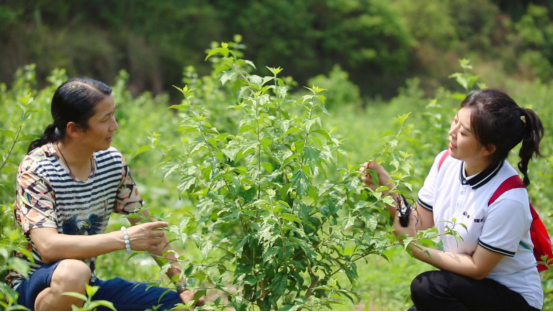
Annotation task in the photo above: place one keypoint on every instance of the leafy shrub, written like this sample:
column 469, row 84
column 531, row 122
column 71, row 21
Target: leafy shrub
column 276, row 218
column 535, row 41
column 341, row 91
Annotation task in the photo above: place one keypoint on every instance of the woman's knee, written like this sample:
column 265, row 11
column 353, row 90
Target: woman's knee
column 71, row 274
column 425, row 285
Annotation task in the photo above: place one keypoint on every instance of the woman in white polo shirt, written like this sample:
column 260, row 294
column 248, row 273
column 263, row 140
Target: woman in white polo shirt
column 493, row 266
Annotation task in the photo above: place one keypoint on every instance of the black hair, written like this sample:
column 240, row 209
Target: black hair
column 73, row 101
column 497, row 120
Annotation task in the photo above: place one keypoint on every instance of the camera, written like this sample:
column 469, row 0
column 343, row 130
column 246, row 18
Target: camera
column 404, row 210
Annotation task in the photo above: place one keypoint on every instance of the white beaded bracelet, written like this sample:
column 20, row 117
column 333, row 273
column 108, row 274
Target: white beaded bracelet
column 126, row 238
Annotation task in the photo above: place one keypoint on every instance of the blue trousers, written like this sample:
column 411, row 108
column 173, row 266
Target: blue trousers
column 125, row 295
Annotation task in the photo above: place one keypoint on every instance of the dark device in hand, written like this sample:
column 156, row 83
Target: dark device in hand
column 404, row 210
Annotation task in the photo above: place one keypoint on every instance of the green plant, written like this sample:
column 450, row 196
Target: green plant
column 89, row 304
column 277, row 217
column 535, row 41
column 466, row 79
column 11, row 240
column 340, row 92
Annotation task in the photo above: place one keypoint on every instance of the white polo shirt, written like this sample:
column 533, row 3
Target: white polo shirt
column 503, row 227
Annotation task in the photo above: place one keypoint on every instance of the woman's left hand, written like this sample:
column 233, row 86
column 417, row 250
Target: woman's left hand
column 188, row 295
column 409, row 230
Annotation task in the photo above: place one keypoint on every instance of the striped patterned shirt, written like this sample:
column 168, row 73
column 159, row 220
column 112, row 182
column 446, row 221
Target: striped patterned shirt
column 49, row 197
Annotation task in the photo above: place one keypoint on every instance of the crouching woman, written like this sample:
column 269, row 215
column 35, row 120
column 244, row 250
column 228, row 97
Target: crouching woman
column 493, row 266
column 67, row 187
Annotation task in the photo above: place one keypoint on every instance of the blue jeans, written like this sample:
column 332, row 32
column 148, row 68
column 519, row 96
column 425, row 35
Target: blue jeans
column 125, row 295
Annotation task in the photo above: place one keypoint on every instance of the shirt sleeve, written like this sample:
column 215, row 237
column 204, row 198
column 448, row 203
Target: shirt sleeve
column 426, row 193
column 506, row 224
column 34, row 202
column 128, row 199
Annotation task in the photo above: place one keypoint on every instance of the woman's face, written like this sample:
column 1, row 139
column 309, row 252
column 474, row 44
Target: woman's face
column 462, row 141
column 101, row 126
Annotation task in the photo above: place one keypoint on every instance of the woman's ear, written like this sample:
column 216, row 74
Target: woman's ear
column 488, row 150
column 73, row 130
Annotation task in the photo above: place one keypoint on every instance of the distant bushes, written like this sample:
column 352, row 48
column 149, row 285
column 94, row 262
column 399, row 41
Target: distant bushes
column 378, row 43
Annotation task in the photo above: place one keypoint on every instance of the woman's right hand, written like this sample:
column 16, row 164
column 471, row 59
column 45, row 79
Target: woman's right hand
column 384, row 177
column 147, row 237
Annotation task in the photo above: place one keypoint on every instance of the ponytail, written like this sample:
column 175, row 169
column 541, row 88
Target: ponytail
column 496, row 119
column 533, row 133
column 49, row 135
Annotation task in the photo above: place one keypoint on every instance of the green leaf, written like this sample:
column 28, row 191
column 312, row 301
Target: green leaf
column 227, row 75
column 267, row 166
column 458, row 96
column 275, row 71
column 184, row 91
column 472, row 80
column 96, row 303
column 315, row 89
column 290, row 217
column 401, row 119
column 75, row 294
column 311, row 154
column 300, row 182
column 465, row 64
column 322, row 98
column 250, row 63
column 323, row 133
column 351, row 271
column 382, row 189
column 19, row 265
column 266, row 142
column 141, row 150
column 223, row 50
column 91, row 290
column 407, row 241
column 298, row 278
column 309, row 123
column 387, row 133
column 280, row 282
column 388, row 200
column 186, row 182
column 240, row 245
column 372, row 223
column 290, row 131
column 349, row 221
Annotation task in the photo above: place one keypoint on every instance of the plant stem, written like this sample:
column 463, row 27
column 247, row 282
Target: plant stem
column 13, row 146
column 278, row 99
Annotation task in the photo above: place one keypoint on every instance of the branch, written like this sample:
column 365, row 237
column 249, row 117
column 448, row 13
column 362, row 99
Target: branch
column 12, row 147
column 310, row 289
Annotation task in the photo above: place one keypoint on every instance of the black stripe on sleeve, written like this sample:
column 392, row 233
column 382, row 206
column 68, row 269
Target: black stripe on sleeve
column 497, row 250
column 424, row 205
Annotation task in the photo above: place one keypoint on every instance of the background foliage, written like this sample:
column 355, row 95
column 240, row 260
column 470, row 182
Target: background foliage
column 379, row 43
column 377, row 59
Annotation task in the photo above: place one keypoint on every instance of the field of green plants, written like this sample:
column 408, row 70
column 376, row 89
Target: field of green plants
column 258, row 180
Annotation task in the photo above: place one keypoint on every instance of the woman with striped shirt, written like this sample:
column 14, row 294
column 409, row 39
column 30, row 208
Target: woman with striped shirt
column 67, row 187
column 492, row 267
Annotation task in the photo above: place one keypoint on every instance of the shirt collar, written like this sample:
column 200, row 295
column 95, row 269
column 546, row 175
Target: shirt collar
column 481, row 178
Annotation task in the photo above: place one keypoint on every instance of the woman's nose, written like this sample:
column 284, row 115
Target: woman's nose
column 453, row 131
column 115, row 126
